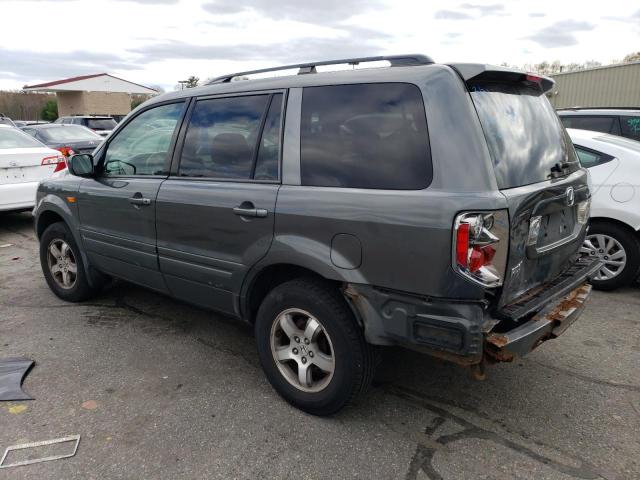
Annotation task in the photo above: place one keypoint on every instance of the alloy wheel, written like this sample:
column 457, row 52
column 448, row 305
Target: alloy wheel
column 302, row 350
column 62, row 263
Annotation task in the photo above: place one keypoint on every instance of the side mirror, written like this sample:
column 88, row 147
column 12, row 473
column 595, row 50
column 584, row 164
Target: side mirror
column 81, row 165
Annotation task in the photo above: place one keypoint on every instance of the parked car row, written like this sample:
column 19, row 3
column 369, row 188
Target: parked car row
column 100, row 124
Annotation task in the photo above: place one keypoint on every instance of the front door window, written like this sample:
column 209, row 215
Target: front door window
column 142, row 146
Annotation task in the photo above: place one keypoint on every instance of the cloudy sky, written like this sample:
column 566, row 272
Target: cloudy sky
column 159, row 42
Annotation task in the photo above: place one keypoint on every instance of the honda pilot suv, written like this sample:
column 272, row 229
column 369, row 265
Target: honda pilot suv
column 435, row 207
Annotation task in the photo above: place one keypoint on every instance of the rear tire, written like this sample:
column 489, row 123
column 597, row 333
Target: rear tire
column 342, row 366
column 62, row 264
column 613, row 244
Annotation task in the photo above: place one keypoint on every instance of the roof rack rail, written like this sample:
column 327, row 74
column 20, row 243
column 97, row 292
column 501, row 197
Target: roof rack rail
column 411, row 60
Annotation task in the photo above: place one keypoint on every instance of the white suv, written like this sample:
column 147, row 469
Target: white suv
column 614, row 165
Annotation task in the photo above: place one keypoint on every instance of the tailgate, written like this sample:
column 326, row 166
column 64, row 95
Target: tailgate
column 551, row 209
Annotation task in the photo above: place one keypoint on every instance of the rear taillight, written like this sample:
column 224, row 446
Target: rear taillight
column 57, row 160
column 481, row 241
column 66, row 151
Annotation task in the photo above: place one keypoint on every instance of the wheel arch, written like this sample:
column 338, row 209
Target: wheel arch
column 265, row 279
column 51, row 210
column 617, row 222
column 45, row 219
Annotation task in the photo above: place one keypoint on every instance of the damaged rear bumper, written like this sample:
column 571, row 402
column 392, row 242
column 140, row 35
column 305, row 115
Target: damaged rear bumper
column 467, row 332
column 540, row 316
column 548, row 324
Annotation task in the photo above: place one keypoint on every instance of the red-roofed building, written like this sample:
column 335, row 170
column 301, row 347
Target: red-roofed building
column 99, row 94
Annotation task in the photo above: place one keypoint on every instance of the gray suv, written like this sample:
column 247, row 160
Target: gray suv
column 436, row 207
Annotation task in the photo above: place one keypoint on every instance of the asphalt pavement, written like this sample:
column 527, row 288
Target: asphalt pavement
column 159, row 389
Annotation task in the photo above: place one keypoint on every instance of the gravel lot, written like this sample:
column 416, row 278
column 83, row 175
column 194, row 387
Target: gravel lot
column 159, row 389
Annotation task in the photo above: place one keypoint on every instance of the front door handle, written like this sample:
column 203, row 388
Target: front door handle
column 250, row 211
column 139, row 201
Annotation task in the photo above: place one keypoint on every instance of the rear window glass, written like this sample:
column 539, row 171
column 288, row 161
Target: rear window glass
column 525, row 137
column 596, row 124
column 69, row 133
column 365, row 136
column 630, row 127
column 11, row 138
column 101, row 123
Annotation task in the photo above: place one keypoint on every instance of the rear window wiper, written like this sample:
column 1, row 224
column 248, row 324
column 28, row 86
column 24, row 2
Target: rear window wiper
column 558, row 168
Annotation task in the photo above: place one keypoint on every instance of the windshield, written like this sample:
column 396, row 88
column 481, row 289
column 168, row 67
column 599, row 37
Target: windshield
column 527, row 141
column 68, row 134
column 12, row 138
column 101, row 123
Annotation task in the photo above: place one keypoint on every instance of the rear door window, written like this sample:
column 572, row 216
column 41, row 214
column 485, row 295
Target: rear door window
column 596, row 123
column 365, row 136
column 222, row 137
column 630, row 127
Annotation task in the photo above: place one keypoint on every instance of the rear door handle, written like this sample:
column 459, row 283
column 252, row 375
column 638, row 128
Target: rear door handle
column 139, row 201
column 250, row 212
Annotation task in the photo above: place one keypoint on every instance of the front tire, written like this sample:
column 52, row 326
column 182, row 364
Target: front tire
column 62, row 264
column 619, row 249
column 311, row 349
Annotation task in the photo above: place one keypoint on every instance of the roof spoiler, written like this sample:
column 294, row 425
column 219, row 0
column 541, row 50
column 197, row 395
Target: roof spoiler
column 476, row 72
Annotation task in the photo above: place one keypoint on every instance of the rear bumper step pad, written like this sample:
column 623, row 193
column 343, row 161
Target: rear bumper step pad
column 505, row 347
column 560, row 304
column 535, row 300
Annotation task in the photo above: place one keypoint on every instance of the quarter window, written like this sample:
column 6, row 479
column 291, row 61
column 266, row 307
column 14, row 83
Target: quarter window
column 365, row 136
column 590, row 158
column 269, row 147
column 142, row 146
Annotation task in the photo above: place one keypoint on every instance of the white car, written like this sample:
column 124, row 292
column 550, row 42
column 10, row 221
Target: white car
column 614, row 234
column 24, row 161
